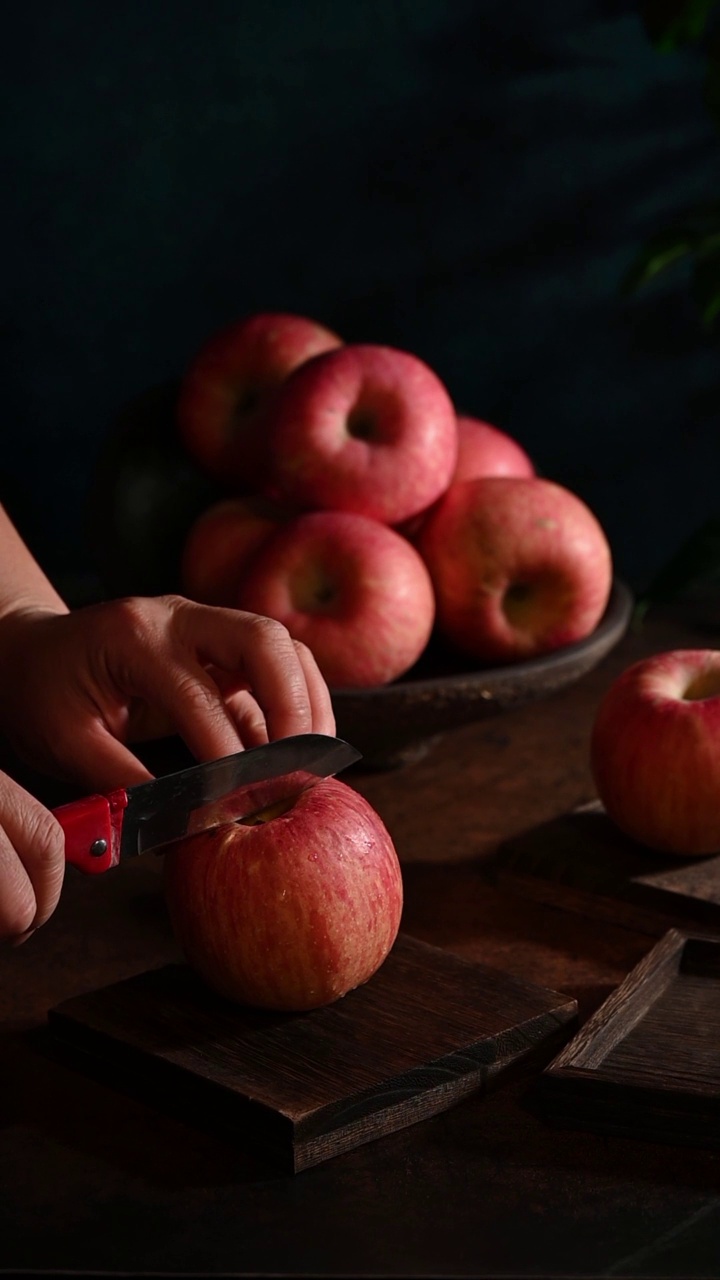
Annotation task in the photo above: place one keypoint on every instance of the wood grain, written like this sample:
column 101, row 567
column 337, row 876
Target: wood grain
column 646, row 1063
column 426, row 1031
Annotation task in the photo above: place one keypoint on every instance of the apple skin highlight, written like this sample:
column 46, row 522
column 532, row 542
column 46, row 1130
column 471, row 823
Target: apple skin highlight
column 655, row 751
column 221, row 543
column 350, row 588
column 230, row 384
column 292, row 913
column 364, row 428
column 485, row 450
column 520, row 566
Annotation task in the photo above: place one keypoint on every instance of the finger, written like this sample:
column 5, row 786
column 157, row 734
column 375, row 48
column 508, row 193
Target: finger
column 197, row 709
column 261, row 648
column 18, row 906
column 248, row 718
column 35, row 838
column 321, row 707
column 248, row 714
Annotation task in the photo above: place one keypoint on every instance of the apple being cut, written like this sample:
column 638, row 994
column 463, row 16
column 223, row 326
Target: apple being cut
column 224, row 396
column 352, row 589
column 485, row 450
column 221, row 542
column 293, row 911
column 520, row 565
column 654, row 751
column 365, row 428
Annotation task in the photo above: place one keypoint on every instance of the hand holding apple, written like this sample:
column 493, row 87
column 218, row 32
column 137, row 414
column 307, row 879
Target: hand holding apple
column 655, row 751
column 293, row 912
column 520, row 566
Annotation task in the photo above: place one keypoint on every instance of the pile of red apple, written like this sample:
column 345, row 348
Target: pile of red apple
column 367, row 515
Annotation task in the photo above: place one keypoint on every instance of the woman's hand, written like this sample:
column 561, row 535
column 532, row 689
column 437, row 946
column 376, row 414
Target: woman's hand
column 32, row 861
column 77, row 688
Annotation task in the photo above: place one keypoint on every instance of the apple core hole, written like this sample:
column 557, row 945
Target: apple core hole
column 705, row 685
column 515, row 600
column 314, row 591
column 361, row 425
column 325, row 593
column 248, row 402
column 266, row 815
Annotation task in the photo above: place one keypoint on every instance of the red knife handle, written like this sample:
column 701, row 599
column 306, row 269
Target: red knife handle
column 92, row 829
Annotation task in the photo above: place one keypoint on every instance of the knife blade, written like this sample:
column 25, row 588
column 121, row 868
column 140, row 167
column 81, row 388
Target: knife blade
column 101, row 830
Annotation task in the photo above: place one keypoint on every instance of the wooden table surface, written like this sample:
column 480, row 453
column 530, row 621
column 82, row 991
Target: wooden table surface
column 94, row 1180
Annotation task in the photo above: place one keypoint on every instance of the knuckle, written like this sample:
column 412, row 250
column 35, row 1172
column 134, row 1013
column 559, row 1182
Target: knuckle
column 199, row 694
column 173, row 602
column 47, row 839
column 131, row 615
column 303, row 650
column 269, row 631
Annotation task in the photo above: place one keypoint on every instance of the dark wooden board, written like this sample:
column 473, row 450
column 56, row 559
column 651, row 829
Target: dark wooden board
column 428, row 1030
column 647, row 1063
column 582, row 862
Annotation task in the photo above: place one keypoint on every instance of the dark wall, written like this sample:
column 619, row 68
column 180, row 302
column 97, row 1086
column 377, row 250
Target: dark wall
column 467, row 180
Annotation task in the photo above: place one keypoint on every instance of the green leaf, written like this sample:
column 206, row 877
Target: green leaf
column 696, row 559
column 671, row 23
column 660, row 252
column 698, row 236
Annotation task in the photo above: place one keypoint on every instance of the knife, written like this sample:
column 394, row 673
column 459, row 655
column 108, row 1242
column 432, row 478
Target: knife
column 101, row 830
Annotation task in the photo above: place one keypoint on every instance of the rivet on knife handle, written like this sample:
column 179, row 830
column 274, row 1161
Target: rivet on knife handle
column 92, row 829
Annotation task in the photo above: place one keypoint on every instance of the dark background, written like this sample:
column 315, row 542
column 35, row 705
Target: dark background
column 466, row 179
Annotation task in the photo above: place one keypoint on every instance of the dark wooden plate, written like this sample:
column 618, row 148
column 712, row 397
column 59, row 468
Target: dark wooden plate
column 428, row 1030
column 395, row 723
column 647, row 1063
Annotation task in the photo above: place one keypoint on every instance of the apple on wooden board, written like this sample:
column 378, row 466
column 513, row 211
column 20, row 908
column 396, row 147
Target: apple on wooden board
column 485, row 450
column 364, row 428
column 221, row 542
column 655, row 751
column 293, row 911
column 225, row 393
column 520, row 566
column 352, row 589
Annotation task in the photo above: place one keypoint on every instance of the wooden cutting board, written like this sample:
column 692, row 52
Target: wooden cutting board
column 646, row 1064
column 582, row 862
column 428, row 1030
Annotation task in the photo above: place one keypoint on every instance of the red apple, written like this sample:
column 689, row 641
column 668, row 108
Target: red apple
column 520, row 565
column 654, row 751
column 226, row 390
column 221, row 542
column 364, row 428
column 485, row 450
column 293, row 912
column 354, row 590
